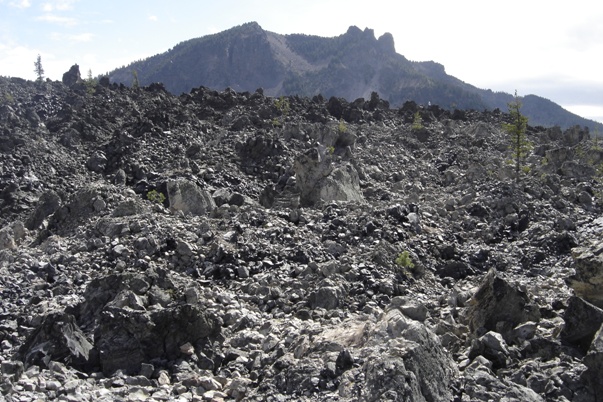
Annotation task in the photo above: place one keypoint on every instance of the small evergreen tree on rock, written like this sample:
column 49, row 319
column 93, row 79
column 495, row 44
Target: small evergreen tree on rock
column 38, row 69
column 516, row 129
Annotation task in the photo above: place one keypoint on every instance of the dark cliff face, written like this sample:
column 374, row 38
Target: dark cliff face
column 350, row 66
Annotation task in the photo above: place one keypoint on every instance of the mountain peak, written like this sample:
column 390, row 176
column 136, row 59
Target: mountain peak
column 386, row 41
column 352, row 65
column 354, row 31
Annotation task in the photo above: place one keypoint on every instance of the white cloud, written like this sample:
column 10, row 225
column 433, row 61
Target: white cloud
column 77, row 38
column 592, row 112
column 58, row 5
column 18, row 61
column 55, row 19
column 153, row 18
column 20, row 4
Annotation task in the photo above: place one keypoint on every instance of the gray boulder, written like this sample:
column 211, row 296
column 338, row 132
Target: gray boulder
column 482, row 385
column 127, row 338
column 587, row 282
column 48, row 203
column 499, row 306
column 410, row 363
column 73, row 76
column 319, row 180
column 582, row 321
column 594, row 361
column 59, row 338
column 187, row 197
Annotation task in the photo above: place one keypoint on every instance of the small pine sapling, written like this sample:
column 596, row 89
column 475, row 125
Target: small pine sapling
column 516, row 129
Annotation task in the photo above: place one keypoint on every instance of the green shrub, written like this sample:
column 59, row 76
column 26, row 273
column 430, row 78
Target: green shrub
column 283, row 106
column 155, row 196
column 404, row 260
column 417, row 122
column 8, row 98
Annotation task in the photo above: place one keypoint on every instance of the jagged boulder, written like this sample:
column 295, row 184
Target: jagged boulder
column 500, row 306
column 59, row 338
column 582, row 321
column 186, row 196
column 481, row 384
column 594, row 361
column 318, row 180
column 588, row 279
column 78, row 208
column 73, row 76
column 48, row 203
column 134, row 320
column 412, row 366
column 7, row 240
column 127, row 338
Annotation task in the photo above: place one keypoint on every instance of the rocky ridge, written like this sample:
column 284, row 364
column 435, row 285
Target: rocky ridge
column 232, row 246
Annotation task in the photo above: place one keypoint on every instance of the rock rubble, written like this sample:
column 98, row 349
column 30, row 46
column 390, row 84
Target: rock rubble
column 218, row 246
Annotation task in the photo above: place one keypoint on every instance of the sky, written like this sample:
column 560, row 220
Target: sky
column 550, row 48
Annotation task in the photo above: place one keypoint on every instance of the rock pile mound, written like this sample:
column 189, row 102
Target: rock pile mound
column 231, row 246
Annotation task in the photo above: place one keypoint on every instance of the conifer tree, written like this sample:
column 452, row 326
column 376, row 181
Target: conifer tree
column 516, row 129
column 38, row 69
column 135, row 83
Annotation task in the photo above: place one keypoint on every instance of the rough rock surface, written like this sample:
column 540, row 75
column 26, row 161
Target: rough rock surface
column 588, row 280
column 220, row 246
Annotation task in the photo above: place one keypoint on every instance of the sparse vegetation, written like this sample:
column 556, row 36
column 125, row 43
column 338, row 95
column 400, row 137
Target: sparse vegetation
column 156, row 196
column 283, row 106
column 39, row 70
column 342, row 128
column 519, row 144
column 91, row 83
column 417, row 122
column 135, row 83
column 8, row 98
column 404, row 261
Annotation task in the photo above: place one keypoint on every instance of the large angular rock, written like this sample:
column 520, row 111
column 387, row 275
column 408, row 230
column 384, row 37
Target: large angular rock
column 127, row 338
column 412, row 365
column 499, row 306
column 130, row 327
column 594, row 361
column 73, row 76
column 59, row 339
column 318, row 180
column 48, row 203
column 78, row 209
column 480, row 384
column 582, row 321
column 588, row 279
column 7, row 240
column 187, row 197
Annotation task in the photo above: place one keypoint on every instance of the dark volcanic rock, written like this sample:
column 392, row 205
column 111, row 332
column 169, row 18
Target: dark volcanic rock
column 221, row 245
column 589, row 273
column 582, row 321
column 72, row 77
column 60, row 339
column 499, row 306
